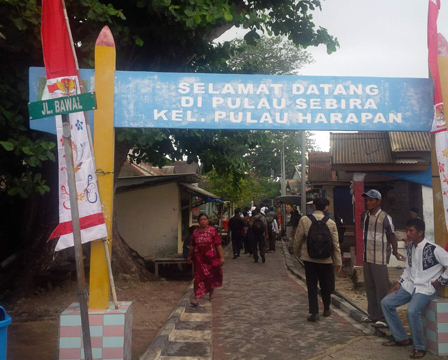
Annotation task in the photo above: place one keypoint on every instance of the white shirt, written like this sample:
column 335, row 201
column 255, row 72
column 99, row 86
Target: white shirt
column 274, row 226
column 424, row 264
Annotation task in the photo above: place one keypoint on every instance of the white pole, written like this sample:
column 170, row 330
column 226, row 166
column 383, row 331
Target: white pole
column 303, row 190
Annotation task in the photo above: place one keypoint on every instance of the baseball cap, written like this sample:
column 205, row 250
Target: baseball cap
column 374, row 194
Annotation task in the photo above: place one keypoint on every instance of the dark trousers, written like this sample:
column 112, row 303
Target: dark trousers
column 259, row 242
column 248, row 242
column 272, row 241
column 376, row 281
column 236, row 244
column 324, row 274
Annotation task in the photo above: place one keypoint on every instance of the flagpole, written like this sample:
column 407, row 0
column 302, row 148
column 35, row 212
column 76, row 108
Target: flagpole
column 82, row 292
column 89, row 134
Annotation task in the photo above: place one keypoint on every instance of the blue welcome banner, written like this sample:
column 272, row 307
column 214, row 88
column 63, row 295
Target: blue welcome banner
column 263, row 102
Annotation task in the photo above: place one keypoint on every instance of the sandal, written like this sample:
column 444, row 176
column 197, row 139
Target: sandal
column 367, row 320
column 194, row 303
column 417, row 354
column 380, row 325
column 406, row 342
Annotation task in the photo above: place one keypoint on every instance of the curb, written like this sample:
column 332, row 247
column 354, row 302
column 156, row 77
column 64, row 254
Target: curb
column 337, row 300
column 162, row 338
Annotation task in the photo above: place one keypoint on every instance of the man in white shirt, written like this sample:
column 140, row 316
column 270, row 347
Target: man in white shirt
column 423, row 276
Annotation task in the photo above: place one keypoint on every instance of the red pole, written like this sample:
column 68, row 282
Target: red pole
column 359, row 207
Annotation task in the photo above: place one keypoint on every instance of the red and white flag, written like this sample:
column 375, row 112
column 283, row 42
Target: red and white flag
column 62, row 81
column 439, row 122
column 438, row 47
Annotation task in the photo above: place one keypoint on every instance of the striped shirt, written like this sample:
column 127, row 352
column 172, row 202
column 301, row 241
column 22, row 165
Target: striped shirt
column 376, row 230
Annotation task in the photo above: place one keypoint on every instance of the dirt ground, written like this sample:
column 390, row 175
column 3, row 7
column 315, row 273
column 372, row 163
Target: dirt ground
column 33, row 333
column 344, row 285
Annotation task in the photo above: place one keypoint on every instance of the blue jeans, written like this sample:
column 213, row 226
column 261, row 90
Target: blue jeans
column 417, row 302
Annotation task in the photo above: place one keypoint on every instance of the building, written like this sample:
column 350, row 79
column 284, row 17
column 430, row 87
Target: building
column 395, row 163
column 154, row 211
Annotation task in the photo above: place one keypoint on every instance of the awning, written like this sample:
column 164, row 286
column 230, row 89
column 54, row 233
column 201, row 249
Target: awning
column 420, row 177
column 290, row 199
column 204, row 194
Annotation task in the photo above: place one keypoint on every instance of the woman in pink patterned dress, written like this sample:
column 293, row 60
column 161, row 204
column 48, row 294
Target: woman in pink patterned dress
column 207, row 257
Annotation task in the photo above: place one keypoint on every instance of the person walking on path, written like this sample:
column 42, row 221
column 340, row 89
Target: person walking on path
column 247, row 234
column 378, row 235
column 207, row 256
column 236, row 226
column 259, row 229
column 423, row 276
column 270, row 218
column 318, row 232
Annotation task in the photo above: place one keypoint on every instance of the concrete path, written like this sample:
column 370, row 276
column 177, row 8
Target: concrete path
column 260, row 313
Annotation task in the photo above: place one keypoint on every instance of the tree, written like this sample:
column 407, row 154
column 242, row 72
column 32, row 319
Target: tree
column 157, row 35
column 269, row 55
column 265, row 159
column 252, row 187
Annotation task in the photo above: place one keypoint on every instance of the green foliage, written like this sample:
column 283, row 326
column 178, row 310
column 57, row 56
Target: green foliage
column 265, row 159
column 150, row 35
column 22, row 152
column 252, row 187
column 273, row 55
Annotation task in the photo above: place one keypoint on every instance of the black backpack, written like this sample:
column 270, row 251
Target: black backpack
column 319, row 241
column 259, row 227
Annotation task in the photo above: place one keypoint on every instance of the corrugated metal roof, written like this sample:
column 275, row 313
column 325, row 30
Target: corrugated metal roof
column 319, row 166
column 410, row 141
column 365, row 148
column 361, row 148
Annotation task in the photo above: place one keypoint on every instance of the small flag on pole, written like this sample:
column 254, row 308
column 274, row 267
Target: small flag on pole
column 62, row 81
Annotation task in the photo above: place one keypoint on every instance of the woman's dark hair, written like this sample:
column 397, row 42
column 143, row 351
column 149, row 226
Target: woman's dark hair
column 419, row 224
column 201, row 215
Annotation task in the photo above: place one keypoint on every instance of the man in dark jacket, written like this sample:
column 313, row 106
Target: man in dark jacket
column 236, row 226
column 259, row 229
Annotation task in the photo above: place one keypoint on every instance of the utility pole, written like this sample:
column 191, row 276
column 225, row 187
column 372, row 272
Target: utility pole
column 283, row 186
column 303, row 190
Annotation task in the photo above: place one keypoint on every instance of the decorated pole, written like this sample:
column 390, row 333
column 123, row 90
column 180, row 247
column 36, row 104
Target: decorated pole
column 105, row 240
column 100, row 272
column 82, row 292
column 437, row 157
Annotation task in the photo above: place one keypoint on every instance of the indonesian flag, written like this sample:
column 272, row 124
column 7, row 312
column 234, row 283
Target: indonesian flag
column 63, row 81
column 438, row 48
column 439, row 122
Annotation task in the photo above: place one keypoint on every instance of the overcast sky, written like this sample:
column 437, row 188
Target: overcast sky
column 381, row 38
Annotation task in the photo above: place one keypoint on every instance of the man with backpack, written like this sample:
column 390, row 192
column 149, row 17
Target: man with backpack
column 259, row 228
column 316, row 242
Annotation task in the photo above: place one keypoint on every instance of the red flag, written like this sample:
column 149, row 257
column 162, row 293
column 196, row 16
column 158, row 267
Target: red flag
column 439, row 123
column 58, row 56
column 62, row 80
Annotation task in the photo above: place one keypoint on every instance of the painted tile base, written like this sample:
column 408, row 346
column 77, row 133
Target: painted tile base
column 110, row 331
column 435, row 326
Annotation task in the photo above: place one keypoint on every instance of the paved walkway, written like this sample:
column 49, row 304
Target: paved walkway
column 260, row 313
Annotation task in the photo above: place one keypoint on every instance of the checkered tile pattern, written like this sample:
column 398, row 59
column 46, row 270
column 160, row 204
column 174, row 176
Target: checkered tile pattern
column 435, row 326
column 110, row 333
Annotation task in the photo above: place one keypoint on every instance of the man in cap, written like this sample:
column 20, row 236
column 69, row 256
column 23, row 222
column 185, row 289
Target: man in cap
column 378, row 235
